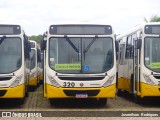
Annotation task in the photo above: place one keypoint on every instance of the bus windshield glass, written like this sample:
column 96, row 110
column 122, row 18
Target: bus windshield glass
column 10, row 55
column 32, row 59
column 152, row 56
column 81, row 55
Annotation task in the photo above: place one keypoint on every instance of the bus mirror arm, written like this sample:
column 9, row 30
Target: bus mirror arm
column 117, row 49
column 139, row 44
column 43, row 45
column 117, row 46
column 29, row 46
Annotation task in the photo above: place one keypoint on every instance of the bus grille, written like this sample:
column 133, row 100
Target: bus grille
column 88, row 92
column 157, row 77
column 81, row 78
column 3, row 92
column 5, row 78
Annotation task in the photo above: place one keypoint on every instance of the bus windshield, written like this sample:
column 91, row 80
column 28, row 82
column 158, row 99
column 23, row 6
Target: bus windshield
column 152, row 56
column 32, row 59
column 10, row 55
column 81, row 55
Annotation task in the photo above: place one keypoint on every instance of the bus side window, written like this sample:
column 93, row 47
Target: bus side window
column 121, row 51
column 129, row 48
column 38, row 56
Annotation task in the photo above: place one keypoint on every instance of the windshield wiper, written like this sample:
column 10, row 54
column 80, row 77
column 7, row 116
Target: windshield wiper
column 2, row 39
column 73, row 46
column 90, row 44
column 88, row 47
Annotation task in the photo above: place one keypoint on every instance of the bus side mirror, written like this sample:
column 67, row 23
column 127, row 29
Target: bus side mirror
column 117, row 46
column 117, row 49
column 29, row 46
column 39, row 56
column 43, row 45
column 139, row 44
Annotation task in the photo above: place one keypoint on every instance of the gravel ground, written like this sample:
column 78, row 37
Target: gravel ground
column 36, row 102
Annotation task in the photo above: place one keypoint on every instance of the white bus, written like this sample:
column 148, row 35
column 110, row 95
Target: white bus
column 14, row 62
column 41, row 68
column 35, row 61
column 139, row 61
column 79, row 62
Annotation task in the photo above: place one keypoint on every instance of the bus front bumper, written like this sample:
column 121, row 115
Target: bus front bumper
column 149, row 90
column 54, row 92
column 33, row 81
column 16, row 92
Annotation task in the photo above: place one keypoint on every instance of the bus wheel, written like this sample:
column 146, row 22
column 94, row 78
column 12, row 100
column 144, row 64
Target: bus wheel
column 137, row 99
column 119, row 92
column 26, row 91
column 38, row 82
column 52, row 101
column 20, row 101
column 56, row 101
column 102, row 101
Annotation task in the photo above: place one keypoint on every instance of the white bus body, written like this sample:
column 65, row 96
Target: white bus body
column 35, row 60
column 79, row 62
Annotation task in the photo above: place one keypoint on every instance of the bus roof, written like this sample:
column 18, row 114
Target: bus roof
column 137, row 28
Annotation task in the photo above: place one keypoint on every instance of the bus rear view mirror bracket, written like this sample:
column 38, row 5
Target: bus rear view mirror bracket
column 117, row 46
column 117, row 49
column 139, row 44
column 43, row 45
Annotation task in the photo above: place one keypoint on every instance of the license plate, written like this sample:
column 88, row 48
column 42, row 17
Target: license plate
column 81, row 96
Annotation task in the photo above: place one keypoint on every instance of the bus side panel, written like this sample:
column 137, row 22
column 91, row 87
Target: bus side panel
column 124, row 84
column 33, row 81
column 123, row 81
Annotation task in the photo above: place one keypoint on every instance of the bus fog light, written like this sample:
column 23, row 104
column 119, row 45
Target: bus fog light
column 148, row 80
column 109, row 81
column 16, row 82
column 53, row 81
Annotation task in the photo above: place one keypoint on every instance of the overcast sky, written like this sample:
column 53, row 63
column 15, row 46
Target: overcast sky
column 36, row 15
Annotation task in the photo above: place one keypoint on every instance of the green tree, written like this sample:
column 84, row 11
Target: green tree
column 37, row 38
column 154, row 18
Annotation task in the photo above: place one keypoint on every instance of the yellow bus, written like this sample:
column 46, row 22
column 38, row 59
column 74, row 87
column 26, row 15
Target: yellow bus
column 41, row 68
column 35, row 61
column 14, row 62
column 79, row 62
column 139, row 61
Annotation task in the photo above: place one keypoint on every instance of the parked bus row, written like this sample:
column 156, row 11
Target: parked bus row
column 81, row 61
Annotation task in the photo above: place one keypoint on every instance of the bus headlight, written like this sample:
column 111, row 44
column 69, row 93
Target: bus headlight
column 148, row 80
column 53, row 81
column 33, row 75
column 109, row 81
column 17, row 81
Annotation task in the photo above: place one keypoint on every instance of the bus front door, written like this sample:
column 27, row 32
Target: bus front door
column 136, row 70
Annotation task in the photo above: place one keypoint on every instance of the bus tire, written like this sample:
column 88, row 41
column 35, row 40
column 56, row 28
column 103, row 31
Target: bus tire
column 26, row 91
column 38, row 82
column 119, row 92
column 137, row 99
column 20, row 101
column 52, row 101
column 102, row 101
